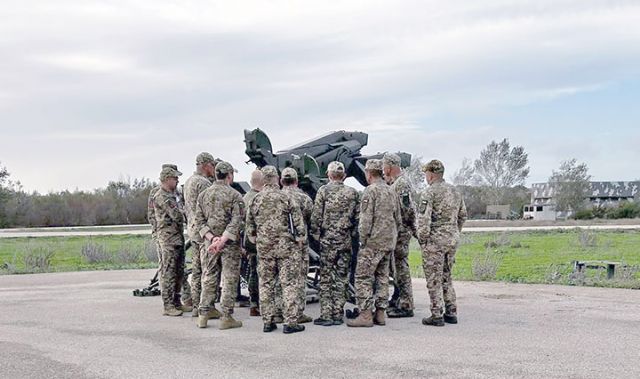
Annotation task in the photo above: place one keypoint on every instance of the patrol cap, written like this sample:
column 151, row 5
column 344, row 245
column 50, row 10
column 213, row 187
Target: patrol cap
column 335, row 166
column 373, row 164
column 289, row 173
column 170, row 165
column 205, row 157
column 269, row 172
column 391, row 159
column 224, row 168
column 434, row 166
column 169, row 172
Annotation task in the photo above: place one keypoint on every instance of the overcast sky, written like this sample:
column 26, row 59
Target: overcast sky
column 97, row 91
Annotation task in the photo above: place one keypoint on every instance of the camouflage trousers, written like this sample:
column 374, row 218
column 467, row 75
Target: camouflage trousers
column 437, row 263
column 287, row 271
column 171, row 273
column 402, row 274
column 186, row 289
column 334, row 279
column 225, row 268
column 196, row 272
column 252, row 282
column 302, row 288
column 372, row 271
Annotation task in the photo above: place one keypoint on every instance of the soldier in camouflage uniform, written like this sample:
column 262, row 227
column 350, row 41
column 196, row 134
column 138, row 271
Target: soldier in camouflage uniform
column 441, row 214
column 151, row 217
column 378, row 229
column 257, row 182
column 395, row 177
column 170, row 234
column 194, row 186
column 334, row 223
column 275, row 224
column 290, row 186
column 219, row 220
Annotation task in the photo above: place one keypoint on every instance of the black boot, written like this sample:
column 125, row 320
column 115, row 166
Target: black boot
column 269, row 327
column 450, row 319
column 292, row 328
column 433, row 321
column 398, row 312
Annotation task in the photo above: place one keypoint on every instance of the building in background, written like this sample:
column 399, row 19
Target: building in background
column 601, row 194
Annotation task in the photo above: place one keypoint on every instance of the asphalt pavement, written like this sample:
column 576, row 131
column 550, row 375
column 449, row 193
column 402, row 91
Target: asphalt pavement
column 88, row 325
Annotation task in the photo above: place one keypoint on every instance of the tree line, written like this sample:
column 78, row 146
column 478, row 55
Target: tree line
column 121, row 202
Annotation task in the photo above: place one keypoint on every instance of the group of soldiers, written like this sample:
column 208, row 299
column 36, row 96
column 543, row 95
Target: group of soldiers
column 272, row 226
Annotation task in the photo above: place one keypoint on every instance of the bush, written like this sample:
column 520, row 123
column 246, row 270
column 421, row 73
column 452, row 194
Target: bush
column 587, row 239
column 151, row 251
column 128, row 255
column 585, row 214
column 499, row 241
column 95, row 253
column 485, row 266
column 37, row 258
column 625, row 209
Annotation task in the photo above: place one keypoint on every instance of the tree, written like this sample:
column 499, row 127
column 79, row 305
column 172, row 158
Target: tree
column 415, row 175
column 5, row 194
column 500, row 167
column 570, row 186
column 465, row 175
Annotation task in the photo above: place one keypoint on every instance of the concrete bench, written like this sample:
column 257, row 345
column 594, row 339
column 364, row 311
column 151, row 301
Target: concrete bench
column 579, row 266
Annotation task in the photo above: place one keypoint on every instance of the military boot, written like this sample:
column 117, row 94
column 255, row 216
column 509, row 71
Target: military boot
column 378, row 317
column 433, row 321
column 399, row 312
column 278, row 319
column 269, row 327
column 214, row 314
column 194, row 312
column 450, row 319
column 172, row 311
column 254, row 312
column 187, row 305
column 323, row 321
column 364, row 319
column 292, row 328
column 304, row 319
column 228, row 322
column 202, row 321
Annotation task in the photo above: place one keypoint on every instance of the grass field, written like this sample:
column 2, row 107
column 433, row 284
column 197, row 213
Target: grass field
column 524, row 257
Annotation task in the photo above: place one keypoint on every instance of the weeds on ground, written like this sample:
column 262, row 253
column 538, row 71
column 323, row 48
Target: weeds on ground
column 128, row 254
column 37, row 257
column 95, row 253
column 485, row 265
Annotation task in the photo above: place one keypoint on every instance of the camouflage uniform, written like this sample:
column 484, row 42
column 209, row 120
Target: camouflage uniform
column 378, row 228
column 193, row 187
column 252, row 258
column 441, row 213
column 402, row 274
column 306, row 206
column 278, row 250
column 170, row 235
column 333, row 223
column 220, row 211
column 151, row 217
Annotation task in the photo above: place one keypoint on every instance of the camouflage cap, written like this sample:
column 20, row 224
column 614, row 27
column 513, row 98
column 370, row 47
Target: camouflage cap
column 205, row 157
column 224, row 168
column 169, row 172
column 391, row 159
column 269, row 172
column 289, row 173
column 434, row 166
column 373, row 164
column 335, row 166
column 170, row 165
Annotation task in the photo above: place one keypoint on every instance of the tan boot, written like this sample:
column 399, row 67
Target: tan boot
column 187, row 306
column 364, row 319
column 172, row 311
column 194, row 312
column 254, row 312
column 228, row 322
column 214, row 314
column 378, row 318
column 202, row 321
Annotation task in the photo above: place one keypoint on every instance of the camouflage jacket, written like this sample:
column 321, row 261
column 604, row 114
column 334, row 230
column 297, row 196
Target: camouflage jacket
column 441, row 213
column 304, row 201
column 379, row 216
column 248, row 199
column 402, row 187
column 335, row 213
column 268, row 222
column 151, row 212
column 220, row 210
column 169, row 218
column 193, row 187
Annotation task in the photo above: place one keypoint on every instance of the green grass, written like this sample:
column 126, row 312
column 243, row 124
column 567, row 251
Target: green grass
column 523, row 257
column 542, row 256
column 126, row 251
